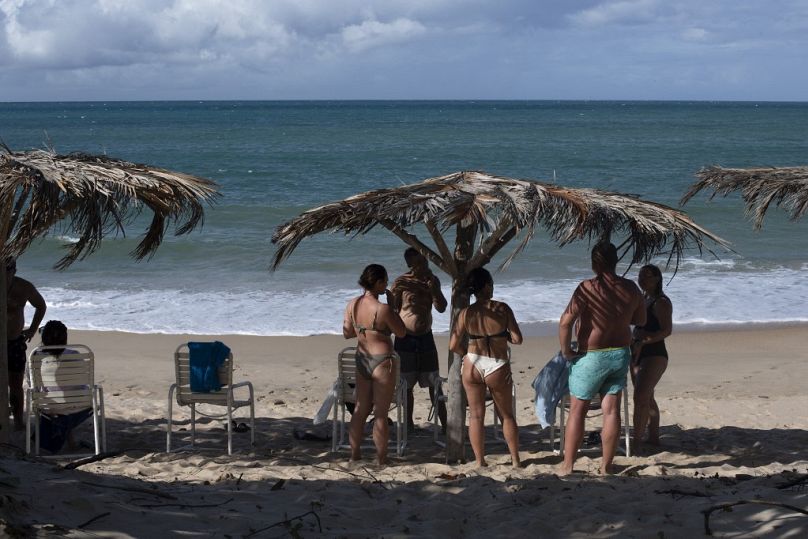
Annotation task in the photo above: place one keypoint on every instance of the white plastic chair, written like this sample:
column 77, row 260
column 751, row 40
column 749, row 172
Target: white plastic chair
column 564, row 404
column 224, row 397
column 346, row 393
column 63, row 385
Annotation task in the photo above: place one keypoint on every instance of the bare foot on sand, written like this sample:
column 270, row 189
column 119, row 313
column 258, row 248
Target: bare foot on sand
column 482, row 464
column 563, row 470
column 607, row 470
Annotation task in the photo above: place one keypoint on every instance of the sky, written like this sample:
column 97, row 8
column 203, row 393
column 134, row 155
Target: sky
column 89, row 50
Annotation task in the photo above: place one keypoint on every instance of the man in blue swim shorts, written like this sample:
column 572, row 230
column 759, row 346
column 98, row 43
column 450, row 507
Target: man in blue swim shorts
column 603, row 310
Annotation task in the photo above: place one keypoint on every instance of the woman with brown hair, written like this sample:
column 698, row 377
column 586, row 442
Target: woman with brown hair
column 372, row 323
column 490, row 325
column 649, row 355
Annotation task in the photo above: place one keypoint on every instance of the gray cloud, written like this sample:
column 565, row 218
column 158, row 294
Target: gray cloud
column 286, row 49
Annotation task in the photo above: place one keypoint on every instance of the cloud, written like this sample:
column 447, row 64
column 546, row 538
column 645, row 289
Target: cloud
column 622, row 12
column 265, row 49
column 358, row 37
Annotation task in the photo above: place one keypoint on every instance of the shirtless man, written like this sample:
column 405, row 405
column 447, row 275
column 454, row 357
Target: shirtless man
column 604, row 308
column 20, row 292
column 414, row 295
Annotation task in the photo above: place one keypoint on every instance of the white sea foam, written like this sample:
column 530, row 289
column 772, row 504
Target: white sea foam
column 699, row 297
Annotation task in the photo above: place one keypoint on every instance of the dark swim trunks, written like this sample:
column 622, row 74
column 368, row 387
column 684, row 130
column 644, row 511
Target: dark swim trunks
column 419, row 359
column 16, row 354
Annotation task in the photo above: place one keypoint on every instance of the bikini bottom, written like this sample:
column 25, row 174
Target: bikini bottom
column 366, row 364
column 486, row 365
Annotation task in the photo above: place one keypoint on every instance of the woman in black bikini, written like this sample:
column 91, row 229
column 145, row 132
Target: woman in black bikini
column 649, row 355
column 372, row 322
column 490, row 325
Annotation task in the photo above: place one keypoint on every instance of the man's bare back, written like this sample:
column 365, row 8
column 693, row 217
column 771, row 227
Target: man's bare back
column 605, row 307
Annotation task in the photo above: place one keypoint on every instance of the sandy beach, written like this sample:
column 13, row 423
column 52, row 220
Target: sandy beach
column 734, row 428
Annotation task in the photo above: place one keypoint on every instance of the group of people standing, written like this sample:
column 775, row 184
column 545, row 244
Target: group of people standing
column 618, row 327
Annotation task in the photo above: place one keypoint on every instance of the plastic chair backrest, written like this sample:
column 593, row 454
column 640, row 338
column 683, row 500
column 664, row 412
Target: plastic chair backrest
column 182, row 367
column 62, row 384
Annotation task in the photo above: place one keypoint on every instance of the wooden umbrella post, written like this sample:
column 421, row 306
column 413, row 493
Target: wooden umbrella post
column 456, row 406
column 5, row 426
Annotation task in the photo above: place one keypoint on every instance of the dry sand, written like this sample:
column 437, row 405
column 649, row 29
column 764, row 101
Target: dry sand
column 734, row 428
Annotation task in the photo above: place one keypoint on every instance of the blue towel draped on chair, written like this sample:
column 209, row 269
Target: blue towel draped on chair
column 550, row 385
column 205, row 358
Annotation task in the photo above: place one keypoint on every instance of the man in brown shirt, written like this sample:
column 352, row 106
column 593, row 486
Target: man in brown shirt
column 604, row 309
column 19, row 293
column 414, row 295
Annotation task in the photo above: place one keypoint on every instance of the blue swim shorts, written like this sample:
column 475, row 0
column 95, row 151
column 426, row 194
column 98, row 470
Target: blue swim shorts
column 599, row 372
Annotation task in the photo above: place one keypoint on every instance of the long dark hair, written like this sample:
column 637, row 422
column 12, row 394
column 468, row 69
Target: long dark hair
column 371, row 275
column 658, row 274
column 477, row 280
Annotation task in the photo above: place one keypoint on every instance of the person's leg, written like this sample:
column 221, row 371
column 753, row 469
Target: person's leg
column 441, row 408
column 475, row 393
column 610, row 435
column 500, row 384
column 574, row 433
column 16, row 398
column 646, row 377
column 364, row 403
column 410, row 406
column 384, row 385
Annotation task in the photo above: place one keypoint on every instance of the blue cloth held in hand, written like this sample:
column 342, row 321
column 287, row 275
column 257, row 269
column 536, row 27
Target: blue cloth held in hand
column 205, row 358
column 550, row 385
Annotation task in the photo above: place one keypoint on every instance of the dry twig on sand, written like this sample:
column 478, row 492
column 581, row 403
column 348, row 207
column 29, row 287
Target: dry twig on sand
column 728, row 505
column 102, row 515
column 150, row 491
column 288, row 521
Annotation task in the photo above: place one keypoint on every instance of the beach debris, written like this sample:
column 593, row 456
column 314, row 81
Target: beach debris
column 279, row 402
column 293, row 528
column 451, row 476
column 150, row 491
column 98, row 517
column 94, row 458
column 278, row 484
column 727, row 506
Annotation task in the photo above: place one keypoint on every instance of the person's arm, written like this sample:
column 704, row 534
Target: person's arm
column 394, row 321
column 568, row 318
column 456, row 338
column 514, row 333
column 395, row 294
column 348, row 329
column 38, row 302
column 438, row 299
column 639, row 316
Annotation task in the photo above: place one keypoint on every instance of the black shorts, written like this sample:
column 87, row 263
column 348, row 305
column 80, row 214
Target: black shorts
column 16, row 354
column 419, row 359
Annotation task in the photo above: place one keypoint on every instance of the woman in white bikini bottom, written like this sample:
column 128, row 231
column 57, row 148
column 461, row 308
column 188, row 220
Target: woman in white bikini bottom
column 485, row 365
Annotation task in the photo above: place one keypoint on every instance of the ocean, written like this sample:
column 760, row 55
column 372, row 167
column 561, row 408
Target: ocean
column 274, row 160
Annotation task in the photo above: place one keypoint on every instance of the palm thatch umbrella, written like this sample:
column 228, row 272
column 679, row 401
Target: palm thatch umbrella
column 90, row 197
column 486, row 212
column 786, row 187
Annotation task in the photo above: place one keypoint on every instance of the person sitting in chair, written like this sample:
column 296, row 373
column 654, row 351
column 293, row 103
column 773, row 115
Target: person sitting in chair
column 55, row 430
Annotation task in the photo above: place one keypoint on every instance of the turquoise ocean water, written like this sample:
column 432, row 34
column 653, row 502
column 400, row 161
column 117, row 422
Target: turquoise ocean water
column 274, row 160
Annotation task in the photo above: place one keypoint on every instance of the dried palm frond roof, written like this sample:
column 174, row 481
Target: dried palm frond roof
column 502, row 208
column 95, row 195
column 786, row 187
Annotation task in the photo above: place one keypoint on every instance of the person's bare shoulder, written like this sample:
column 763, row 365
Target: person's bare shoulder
column 22, row 286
